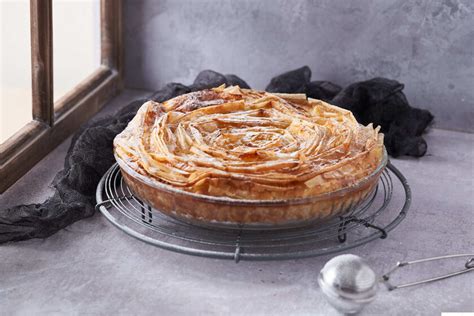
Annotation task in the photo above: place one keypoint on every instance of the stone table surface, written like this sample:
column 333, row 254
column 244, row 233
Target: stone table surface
column 93, row 268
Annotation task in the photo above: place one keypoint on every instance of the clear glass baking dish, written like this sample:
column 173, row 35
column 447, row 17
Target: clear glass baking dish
column 227, row 212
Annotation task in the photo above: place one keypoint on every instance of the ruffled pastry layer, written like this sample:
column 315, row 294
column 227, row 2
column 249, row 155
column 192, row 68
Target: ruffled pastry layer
column 249, row 144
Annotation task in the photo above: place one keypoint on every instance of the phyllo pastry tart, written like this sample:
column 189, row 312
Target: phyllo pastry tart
column 242, row 156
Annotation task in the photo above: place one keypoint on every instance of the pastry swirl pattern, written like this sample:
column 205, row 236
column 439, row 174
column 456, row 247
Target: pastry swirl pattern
column 248, row 144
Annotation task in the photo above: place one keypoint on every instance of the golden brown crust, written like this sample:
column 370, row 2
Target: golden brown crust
column 249, row 144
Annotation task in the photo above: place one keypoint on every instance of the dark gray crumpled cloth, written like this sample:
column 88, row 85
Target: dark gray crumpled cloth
column 378, row 100
column 90, row 153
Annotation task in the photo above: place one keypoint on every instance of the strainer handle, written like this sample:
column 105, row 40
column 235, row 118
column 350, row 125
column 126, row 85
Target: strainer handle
column 468, row 266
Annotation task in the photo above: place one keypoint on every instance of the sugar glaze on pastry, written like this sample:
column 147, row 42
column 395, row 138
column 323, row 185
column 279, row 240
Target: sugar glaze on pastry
column 249, row 144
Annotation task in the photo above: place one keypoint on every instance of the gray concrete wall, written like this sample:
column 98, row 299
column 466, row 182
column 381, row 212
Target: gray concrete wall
column 428, row 45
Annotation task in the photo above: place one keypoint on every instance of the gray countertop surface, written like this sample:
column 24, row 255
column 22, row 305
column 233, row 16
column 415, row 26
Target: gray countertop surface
column 93, row 268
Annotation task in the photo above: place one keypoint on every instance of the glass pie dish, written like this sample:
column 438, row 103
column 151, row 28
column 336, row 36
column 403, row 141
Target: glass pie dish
column 228, row 212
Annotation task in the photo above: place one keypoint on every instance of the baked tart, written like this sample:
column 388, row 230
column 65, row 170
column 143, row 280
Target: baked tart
column 239, row 156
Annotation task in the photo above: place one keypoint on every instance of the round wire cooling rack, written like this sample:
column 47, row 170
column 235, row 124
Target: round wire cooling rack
column 371, row 220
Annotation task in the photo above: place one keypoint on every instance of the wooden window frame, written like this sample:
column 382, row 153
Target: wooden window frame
column 53, row 122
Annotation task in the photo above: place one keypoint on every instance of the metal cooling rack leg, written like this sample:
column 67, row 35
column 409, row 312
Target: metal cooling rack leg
column 150, row 215
column 147, row 215
column 237, row 247
column 342, row 236
column 109, row 202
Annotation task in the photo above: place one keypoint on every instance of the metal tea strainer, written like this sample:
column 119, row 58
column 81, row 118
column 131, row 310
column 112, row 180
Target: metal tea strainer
column 349, row 283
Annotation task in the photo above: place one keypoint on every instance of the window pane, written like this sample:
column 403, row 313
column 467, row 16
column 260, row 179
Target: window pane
column 15, row 66
column 76, row 42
